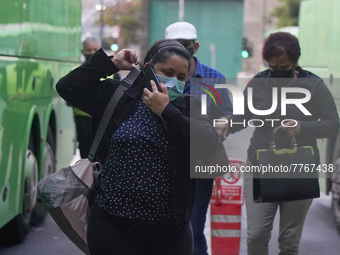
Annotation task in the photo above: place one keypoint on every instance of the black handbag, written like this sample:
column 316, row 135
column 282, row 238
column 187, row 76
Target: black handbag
column 286, row 174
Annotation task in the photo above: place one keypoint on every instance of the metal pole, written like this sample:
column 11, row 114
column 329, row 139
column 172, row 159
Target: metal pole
column 264, row 17
column 101, row 31
column 181, row 10
column 213, row 55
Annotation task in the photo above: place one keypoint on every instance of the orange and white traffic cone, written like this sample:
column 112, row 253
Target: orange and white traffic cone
column 226, row 207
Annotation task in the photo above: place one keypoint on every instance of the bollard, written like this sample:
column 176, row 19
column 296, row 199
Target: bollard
column 225, row 209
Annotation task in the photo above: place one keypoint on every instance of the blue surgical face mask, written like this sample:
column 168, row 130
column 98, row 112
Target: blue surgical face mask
column 175, row 87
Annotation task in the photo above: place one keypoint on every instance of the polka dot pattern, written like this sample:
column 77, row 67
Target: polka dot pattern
column 135, row 179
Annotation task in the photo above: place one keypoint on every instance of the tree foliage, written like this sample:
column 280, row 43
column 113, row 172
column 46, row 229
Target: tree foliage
column 287, row 13
column 126, row 16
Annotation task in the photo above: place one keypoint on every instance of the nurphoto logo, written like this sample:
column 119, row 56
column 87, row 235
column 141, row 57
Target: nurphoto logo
column 239, row 104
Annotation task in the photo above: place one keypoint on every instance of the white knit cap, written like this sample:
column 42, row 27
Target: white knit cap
column 181, row 30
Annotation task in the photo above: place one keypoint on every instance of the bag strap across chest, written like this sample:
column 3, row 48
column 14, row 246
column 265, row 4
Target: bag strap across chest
column 124, row 85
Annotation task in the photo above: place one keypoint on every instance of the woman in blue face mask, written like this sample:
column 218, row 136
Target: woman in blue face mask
column 146, row 197
column 171, row 65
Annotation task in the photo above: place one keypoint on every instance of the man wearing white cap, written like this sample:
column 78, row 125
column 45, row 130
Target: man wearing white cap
column 203, row 75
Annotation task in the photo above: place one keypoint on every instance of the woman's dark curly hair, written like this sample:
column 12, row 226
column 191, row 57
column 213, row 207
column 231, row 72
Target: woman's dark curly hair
column 281, row 43
column 161, row 50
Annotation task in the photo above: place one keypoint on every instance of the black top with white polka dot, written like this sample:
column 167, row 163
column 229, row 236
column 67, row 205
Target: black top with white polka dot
column 135, row 179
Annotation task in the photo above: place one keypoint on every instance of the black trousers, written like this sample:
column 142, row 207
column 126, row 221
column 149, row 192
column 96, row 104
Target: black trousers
column 112, row 235
column 83, row 125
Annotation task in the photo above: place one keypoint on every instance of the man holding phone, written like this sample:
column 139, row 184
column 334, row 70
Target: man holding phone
column 201, row 75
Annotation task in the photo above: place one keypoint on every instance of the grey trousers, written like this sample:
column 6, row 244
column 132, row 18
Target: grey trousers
column 260, row 217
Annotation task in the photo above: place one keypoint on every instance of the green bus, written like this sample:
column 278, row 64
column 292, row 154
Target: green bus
column 319, row 36
column 39, row 43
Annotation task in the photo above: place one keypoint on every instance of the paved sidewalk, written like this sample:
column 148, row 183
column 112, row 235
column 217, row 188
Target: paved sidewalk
column 320, row 236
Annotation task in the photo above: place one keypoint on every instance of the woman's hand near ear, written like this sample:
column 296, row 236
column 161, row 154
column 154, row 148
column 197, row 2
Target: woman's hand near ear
column 125, row 59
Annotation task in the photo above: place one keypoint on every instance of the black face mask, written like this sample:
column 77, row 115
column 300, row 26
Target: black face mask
column 283, row 73
column 88, row 57
column 191, row 50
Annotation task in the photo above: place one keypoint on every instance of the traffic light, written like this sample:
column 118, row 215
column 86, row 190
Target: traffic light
column 245, row 54
column 247, row 48
column 114, row 47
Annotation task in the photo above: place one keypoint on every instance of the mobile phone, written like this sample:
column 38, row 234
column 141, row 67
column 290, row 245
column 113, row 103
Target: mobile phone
column 148, row 75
